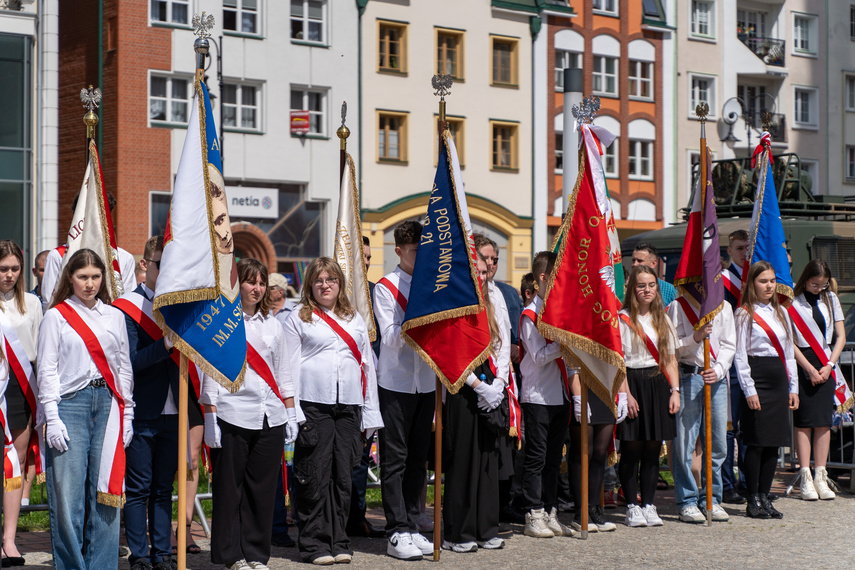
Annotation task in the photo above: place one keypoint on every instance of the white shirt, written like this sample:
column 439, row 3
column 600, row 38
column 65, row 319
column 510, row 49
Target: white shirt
column 752, row 340
column 635, row 352
column 26, row 325
column 65, row 365
column 542, row 382
column 4, row 369
column 324, row 368
column 53, row 268
column 837, row 311
column 722, row 339
column 502, row 357
column 254, row 400
column 399, row 368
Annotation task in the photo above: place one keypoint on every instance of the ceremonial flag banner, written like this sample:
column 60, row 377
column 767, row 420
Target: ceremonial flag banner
column 197, row 301
column 92, row 224
column 445, row 320
column 348, row 248
column 766, row 240
column 699, row 272
column 580, row 306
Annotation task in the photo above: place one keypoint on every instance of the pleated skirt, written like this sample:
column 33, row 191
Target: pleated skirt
column 652, row 391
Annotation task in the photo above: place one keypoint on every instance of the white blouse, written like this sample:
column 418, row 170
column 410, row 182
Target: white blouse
column 254, row 400
column 635, row 352
column 26, row 325
column 540, row 366
column 65, row 365
column 752, row 340
column 324, row 369
column 836, row 310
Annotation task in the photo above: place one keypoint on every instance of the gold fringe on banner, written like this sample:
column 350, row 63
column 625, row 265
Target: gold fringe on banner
column 846, row 405
column 12, row 484
column 117, row 501
column 105, row 227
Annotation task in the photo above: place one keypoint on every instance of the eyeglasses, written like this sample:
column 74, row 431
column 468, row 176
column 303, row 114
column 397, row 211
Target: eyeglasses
column 818, row 287
column 328, row 281
column 495, row 260
column 645, row 287
column 156, row 263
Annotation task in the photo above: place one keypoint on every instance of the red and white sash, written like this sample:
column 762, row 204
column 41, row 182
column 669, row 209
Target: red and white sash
column 802, row 317
column 399, row 297
column 111, row 472
column 773, row 338
column 513, row 402
column 11, row 464
column 348, row 340
column 562, row 366
column 648, row 342
column 693, row 317
column 16, row 356
column 732, row 283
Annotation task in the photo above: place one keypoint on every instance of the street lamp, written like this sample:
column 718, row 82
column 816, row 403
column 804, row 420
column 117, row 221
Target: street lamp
column 220, row 85
column 749, row 110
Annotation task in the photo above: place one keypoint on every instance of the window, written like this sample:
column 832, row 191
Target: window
column 308, row 20
column 852, row 23
column 702, row 22
column 565, row 59
column 170, row 11
column 241, row 16
column 605, row 75
column 559, row 152
column 609, row 7
column 169, row 99
column 457, row 128
column 241, row 107
column 702, row 91
column 849, row 81
column 313, row 101
column 641, row 79
column 610, row 163
column 805, row 111
column 640, row 160
column 392, row 47
column 505, row 61
column 850, row 163
column 505, row 155
column 391, row 137
column 449, row 53
column 804, row 34
column 751, row 23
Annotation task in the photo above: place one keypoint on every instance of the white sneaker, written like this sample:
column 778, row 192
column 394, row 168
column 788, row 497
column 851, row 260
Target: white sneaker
column 343, row 558
column 425, row 523
column 400, row 545
column 807, row 488
column 239, row 565
column 719, row 514
column 422, row 543
column 494, row 543
column 325, row 560
column 692, row 514
column 258, row 566
column 459, row 546
column 820, row 483
column 536, row 524
column 634, row 516
column 557, row 528
column 651, row 516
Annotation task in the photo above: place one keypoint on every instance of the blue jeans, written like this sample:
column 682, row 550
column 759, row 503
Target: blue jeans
column 72, row 477
column 734, row 439
column 690, row 420
column 152, row 459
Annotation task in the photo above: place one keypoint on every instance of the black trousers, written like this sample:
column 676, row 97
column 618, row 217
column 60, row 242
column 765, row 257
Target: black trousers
column 404, row 448
column 545, row 429
column 326, row 451
column 470, row 507
column 245, row 484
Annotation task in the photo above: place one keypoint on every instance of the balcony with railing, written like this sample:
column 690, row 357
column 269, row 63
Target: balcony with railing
column 770, row 51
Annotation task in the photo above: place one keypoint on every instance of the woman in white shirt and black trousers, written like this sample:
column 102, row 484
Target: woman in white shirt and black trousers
column 246, row 431
column 333, row 369
column 766, row 368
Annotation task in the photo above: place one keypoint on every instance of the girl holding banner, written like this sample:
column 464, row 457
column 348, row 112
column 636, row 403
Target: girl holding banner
column 20, row 317
column 766, row 368
column 817, row 318
column 336, row 385
column 86, row 388
column 246, row 431
column 653, row 392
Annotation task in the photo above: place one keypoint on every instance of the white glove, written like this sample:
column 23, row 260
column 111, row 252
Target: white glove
column 55, row 432
column 490, row 395
column 40, row 415
column 292, row 428
column 212, row 431
column 127, row 432
column 621, row 407
column 577, row 409
column 369, row 434
column 167, row 343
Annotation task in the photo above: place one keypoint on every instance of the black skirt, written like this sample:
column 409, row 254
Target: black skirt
column 601, row 415
column 194, row 409
column 18, row 413
column 652, row 391
column 769, row 426
column 816, row 403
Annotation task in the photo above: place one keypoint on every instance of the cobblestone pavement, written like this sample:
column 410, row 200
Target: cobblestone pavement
column 812, row 535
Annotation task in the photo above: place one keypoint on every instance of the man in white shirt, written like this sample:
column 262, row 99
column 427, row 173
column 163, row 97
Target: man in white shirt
column 690, row 418
column 406, row 386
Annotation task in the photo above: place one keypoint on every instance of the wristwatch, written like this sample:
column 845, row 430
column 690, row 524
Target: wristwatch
column 675, row 389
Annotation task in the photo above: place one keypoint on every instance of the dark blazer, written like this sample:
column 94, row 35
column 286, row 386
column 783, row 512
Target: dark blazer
column 154, row 370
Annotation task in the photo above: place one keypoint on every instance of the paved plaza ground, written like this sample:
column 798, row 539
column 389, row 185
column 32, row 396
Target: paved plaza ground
column 811, row 535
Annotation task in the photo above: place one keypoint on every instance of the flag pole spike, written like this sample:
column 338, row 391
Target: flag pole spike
column 586, row 111
column 91, row 99
column 441, row 87
column 701, row 111
column 342, row 133
column 202, row 26
column 766, row 118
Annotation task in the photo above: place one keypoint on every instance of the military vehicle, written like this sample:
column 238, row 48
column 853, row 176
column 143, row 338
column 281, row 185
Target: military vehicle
column 815, row 226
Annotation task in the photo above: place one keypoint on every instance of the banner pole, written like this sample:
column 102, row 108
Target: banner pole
column 342, row 133
column 437, row 473
column 708, row 433
column 583, row 489
column 182, row 462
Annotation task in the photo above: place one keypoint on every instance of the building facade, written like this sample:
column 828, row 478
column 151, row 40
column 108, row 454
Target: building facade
column 840, row 115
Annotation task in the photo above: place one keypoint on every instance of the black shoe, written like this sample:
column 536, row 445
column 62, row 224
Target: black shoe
column 166, row 565
column 755, row 508
column 141, row 564
column 767, row 505
column 772, row 497
column 282, row 540
column 9, row 561
column 510, row 515
column 365, row 529
column 732, row 497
